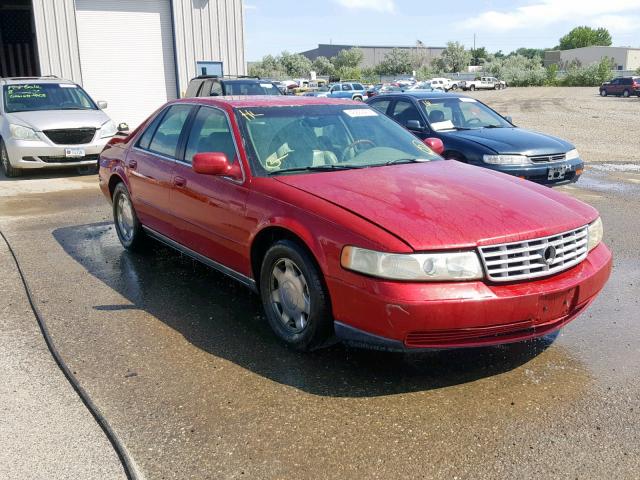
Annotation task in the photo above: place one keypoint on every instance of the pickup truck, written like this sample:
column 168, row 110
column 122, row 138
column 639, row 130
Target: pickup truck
column 483, row 83
column 353, row 90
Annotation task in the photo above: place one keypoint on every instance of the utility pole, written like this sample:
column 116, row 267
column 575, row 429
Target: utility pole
column 475, row 62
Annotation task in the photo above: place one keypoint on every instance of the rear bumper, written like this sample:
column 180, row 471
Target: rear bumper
column 413, row 316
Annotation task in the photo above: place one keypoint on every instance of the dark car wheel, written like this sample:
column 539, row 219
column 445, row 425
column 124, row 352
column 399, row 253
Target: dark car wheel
column 603, row 93
column 7, row 169
column 472, row 88
column 626, row 93
column 128, row 227
column 294, row 297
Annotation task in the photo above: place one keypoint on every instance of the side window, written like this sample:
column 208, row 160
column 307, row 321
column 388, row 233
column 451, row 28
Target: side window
column 145, row 138
column 358, row 86
column 346, row 87
column 216, row 89
column 381, row 105
column 403, row 111
column 210, row 133
column 166, row 136
column 437, row 112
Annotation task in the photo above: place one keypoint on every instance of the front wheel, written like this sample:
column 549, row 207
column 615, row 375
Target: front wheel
column 294, row 297
column 603, row 93
column 472, row 88
column 7, row 169
column 454, row 87
column 128, row 227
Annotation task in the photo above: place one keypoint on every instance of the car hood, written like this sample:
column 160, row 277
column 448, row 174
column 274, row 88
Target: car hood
column 514, row 140
column 54, row 119
column 447, row 204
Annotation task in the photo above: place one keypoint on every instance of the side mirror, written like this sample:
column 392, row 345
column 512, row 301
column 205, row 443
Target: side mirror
column 214, row 163
column 123, row 127
column 414, row 125
column 102, row 104
column 434, row 144
column 509, row 119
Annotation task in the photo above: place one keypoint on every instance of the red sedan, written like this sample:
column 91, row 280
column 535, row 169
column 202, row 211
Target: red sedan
column 348, row 225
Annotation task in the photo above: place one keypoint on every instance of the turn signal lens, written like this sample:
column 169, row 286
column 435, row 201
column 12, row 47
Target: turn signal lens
column 596, row 232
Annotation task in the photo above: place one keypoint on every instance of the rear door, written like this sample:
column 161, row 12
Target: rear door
column 150, row 166
column 209, row 210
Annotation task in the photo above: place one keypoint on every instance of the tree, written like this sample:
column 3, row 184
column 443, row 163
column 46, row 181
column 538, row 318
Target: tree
column 347, row 58
column 585, row 37
column 395, row 62
column 323, row 66
column 454, row 58
column 295, row 64
column 529, row 52
column 479, row 55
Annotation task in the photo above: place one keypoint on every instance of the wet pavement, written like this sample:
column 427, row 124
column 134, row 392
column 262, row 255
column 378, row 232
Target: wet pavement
column 184, row 366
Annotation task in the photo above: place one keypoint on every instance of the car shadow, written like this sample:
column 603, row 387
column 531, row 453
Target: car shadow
column 225, row 319
column 49, row 173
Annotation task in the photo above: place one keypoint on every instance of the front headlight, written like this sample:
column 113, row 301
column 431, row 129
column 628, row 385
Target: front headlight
column 572, row 154
column 418, row 266
column 506, row 159
column 596, row 231
column 108, row 129
column 20, row 132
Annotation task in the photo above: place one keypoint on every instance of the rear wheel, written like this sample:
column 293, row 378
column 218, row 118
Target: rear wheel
column 294, row 297
column 128, row 227
column 454, row 87
column 7, row 169
column 357, row 98
column 472, row 88
column 603, row 93
column 626, row 93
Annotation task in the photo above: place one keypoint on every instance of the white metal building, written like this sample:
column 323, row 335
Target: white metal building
column 624, row 58
column 134, row 54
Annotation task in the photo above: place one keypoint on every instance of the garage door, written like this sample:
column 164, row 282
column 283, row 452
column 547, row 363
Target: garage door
column 126, row 55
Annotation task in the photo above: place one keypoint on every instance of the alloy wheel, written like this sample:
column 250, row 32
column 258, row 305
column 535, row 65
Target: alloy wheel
column 125, row 218
column 290, row 296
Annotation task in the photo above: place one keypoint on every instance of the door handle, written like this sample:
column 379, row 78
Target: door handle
column 179, row 181
column 133, row 164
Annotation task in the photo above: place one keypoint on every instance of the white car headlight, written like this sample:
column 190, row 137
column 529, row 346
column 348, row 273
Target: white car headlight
column 572, row 154
column 20, row 132
column 506, row 159
column 596, row 231
column 108, row 129
column 455, row 266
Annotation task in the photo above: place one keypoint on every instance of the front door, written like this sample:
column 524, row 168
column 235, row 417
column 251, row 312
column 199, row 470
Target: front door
column 209, row 210
column 150, row 165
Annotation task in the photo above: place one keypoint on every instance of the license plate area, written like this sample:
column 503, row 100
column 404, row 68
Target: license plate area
column 556, row 173
column 74, row 152
column 557, row 305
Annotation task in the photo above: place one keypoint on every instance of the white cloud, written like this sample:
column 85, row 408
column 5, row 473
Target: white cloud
column 547, row 12
column 378, row 5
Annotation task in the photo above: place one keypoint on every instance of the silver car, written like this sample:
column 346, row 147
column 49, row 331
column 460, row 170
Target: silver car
column 48, row 122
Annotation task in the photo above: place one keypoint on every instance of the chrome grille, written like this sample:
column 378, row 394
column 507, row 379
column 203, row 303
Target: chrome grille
column 559, row 157
column 539, row 257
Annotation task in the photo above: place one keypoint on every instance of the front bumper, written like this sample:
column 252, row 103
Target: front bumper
column 412, row 316
column 539, row 172
column 41, row 154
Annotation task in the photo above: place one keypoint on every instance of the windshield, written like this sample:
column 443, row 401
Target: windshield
column 26, row 97
column 325, row 137
column 250, row 87
column 460, row 113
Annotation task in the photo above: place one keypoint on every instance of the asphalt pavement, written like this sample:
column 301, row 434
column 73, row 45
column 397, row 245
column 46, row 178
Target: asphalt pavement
column 184, row 367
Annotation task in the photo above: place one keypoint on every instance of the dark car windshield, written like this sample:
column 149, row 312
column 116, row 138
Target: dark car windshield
column 454, row 113
column 324, row 137
column 27, row 97
column 250, row 87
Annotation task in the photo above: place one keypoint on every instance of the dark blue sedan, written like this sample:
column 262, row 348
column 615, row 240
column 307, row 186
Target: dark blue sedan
column 474, row 133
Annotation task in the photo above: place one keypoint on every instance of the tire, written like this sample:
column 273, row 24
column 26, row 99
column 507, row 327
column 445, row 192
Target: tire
column 357, row 99
column 603, row 93
column 128, row 227
column 8, row 170
column 626, row 94
column 454, row 87
column 294, row 297
column 472, row 88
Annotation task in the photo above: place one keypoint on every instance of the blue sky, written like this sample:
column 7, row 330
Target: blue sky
column 275, row 25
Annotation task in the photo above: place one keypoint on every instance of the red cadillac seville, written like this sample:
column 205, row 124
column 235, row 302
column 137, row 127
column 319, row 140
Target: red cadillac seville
column 348, row 225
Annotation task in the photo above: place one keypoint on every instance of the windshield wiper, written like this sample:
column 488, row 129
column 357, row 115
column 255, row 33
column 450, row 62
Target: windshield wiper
column 316, row 168
column 405, row 160
column 493, row 126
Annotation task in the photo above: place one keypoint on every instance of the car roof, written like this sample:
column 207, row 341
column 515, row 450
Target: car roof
column 422, row 95
column 242, row 101
column 25, row 80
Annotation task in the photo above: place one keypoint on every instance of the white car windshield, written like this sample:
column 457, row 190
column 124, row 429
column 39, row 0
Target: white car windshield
column 26, row 97
column 325, row 137
column 460, row 113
